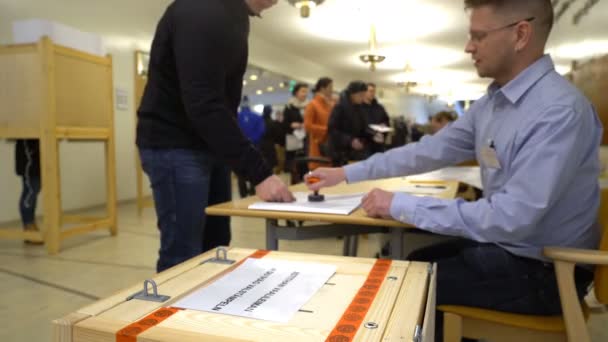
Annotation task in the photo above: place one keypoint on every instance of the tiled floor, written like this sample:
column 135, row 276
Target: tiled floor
column 36, row 288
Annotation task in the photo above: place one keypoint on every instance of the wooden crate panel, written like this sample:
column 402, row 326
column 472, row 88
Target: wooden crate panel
column 401, row 292
column 21, row 95
column 83, row 91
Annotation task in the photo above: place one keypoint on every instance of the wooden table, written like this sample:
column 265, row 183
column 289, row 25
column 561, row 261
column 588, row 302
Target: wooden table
column 365, row 300
column 349, row 226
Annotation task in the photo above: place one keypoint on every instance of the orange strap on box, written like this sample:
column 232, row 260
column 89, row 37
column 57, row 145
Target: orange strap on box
column 351, row 320
column 131, row 331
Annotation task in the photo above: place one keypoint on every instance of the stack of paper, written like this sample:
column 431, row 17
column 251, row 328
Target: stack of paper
column 333, row 204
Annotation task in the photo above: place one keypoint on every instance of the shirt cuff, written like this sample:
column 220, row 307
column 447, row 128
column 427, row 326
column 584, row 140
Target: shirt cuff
column 403, row 207
column 355, row 172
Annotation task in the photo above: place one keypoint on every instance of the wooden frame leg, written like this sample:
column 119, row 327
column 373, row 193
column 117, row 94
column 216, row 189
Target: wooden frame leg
column 49, row 155
column 111, row 184
column 139, row 173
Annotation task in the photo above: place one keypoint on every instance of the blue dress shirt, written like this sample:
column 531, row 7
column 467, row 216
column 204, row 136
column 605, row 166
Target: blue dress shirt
column 546, row 137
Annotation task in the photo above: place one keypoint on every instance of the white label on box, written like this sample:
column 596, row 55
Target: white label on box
column 266, row 289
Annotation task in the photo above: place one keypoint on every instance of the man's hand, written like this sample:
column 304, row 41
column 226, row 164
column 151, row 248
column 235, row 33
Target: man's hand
column 324, row 177
column 272, row 189
column 378, row 203
column 356, row 144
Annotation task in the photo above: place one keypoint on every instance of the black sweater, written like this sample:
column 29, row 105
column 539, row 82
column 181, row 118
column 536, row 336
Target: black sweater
column 195, row 80
column 347, row 122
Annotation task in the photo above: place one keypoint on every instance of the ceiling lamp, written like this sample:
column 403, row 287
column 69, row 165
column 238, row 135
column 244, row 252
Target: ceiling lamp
column 371, row 57
column 305, row 6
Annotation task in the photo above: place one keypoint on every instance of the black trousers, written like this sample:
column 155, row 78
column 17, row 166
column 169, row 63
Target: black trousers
column 489, row 277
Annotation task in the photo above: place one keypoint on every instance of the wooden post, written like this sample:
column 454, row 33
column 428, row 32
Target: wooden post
column 110, row 153
column 49, row 151
column 138, row 88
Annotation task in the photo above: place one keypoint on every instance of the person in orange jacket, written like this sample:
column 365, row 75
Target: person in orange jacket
column 316, row 118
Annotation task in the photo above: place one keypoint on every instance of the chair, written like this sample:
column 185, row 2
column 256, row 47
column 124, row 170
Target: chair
column 461, row 321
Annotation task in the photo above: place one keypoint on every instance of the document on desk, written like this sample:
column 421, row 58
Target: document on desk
column 266, row 289
column 333, row 204
column 470, row 175
column 381, row 128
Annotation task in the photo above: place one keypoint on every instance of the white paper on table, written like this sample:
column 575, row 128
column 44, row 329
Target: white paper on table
column 470, row 175
column 270, row 290
column 333, row 204
column 381, row 128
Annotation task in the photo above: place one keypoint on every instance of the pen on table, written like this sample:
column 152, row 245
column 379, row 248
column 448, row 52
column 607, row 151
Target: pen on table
column 430, row 186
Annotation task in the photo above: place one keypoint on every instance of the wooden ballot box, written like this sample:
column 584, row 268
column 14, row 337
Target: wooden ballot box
column 365, row 300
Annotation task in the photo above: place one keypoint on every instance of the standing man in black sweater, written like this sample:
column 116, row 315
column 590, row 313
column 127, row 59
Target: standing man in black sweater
column 187, row 132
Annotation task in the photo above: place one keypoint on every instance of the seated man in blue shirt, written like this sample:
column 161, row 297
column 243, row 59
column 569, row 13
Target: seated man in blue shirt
column 536, row 138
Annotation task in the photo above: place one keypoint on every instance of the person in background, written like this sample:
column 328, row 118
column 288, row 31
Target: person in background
column 335, row 98
column 441, row 120
column 316, row 119
column 252, row 125
column 376, row 115
column 416, row 132
column 187, row 133
column 293, row 123
column 27, row 165
column 272, row 137
column 347, row 129
column 536, row 138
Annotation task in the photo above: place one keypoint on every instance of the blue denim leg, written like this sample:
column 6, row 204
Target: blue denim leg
column 487, row 276
column 28, row 200
column 183, row 183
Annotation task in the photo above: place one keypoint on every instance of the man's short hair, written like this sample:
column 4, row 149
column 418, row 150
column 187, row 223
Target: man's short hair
column 371, row 84
column 540, row 10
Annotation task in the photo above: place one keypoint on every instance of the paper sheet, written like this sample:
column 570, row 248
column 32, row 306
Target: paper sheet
column 381, row 128
column 271, row 290
column 470, row 175
column 333, row 204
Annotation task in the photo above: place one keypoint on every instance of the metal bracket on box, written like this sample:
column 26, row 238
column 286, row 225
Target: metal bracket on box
column 145, row 295
column 223, row 259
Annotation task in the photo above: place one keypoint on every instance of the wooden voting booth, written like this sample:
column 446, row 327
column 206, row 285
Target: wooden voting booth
column 592, row 79
column 54, row 93
column 140, row 77
column 365, row 300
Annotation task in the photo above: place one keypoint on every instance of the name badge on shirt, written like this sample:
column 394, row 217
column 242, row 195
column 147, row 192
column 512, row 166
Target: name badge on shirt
column 489, row 157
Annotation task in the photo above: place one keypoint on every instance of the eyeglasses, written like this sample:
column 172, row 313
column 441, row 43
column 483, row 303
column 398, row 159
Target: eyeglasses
column 478, row 36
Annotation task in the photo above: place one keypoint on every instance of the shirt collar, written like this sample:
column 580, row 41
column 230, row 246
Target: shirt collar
column 518, row 86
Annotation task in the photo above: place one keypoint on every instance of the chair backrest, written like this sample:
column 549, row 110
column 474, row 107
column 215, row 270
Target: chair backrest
column 601, row 272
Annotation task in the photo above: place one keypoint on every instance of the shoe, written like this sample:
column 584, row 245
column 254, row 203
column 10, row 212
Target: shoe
column 32, row 228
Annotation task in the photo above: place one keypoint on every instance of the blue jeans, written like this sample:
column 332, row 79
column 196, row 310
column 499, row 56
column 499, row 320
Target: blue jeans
column 29, row 197
column 486, row 276
column 184, row 183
